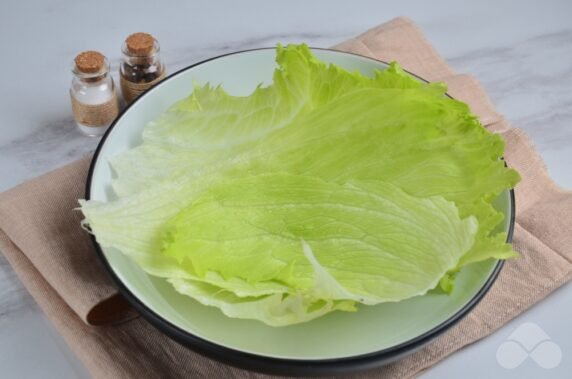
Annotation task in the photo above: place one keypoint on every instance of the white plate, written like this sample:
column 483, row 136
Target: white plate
column 339, row 341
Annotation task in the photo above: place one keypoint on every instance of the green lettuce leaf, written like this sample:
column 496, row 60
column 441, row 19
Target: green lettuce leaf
column 363, row 234
column 325, row 133
column 273, row 310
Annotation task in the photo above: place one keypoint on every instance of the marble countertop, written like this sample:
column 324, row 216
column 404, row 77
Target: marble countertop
column 521, row 51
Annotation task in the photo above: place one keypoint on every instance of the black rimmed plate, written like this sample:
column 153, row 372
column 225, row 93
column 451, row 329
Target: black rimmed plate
column 336, row 343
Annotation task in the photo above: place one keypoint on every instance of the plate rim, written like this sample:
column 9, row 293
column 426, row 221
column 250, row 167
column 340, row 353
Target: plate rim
column 275, row 365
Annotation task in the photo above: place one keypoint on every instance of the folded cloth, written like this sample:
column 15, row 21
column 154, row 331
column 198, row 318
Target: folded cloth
column 41, row 238
column 39, row 219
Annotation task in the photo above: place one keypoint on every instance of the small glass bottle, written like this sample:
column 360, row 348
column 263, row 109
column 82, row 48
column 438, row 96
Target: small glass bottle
column 141, row 65
column 92, row 92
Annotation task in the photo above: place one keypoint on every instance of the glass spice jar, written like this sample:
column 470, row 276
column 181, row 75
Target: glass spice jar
column 93, row 97
column 141, row 65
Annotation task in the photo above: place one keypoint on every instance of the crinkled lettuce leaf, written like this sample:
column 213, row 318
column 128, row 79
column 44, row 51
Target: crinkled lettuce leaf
column 282, row 227
column 202, row 201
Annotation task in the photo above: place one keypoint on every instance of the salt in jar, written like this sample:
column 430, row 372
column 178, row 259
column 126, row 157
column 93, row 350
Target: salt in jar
column 93, row 94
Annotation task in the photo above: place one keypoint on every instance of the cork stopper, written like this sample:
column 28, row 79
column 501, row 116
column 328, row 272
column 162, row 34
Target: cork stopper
column 140, row 44
column 89, row 62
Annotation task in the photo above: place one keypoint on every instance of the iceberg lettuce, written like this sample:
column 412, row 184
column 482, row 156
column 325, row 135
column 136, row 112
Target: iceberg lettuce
column 325, row 189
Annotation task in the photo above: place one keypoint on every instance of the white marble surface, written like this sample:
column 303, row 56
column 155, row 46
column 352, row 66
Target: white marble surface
column 520, row 50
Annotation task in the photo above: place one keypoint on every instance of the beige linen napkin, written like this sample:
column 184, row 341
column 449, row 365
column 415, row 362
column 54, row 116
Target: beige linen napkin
column 41, row 238
column 39, row 221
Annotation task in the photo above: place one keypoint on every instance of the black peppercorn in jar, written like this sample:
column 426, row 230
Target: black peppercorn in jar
column 141, row 65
